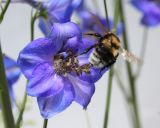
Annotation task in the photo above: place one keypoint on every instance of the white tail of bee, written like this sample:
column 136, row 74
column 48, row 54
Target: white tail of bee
column 129, row 56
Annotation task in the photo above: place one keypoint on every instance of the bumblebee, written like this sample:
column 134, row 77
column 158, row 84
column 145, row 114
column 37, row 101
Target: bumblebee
column 106, row 51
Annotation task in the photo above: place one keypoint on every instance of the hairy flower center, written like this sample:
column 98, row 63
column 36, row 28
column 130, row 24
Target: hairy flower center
column 64, row 65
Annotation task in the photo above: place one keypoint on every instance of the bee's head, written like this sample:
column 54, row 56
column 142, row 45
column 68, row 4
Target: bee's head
column 112, row 42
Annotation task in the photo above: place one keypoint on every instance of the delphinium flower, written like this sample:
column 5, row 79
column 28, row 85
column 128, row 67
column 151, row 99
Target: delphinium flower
column 57, row 11
column 96, row 22
column 56, row 75
column 12, row 74
column 150, row 10
column 51, row 11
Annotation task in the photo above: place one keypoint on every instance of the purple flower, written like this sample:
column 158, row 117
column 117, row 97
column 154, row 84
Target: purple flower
column 56, row 78
column 12, row 73
column 150, row 10
column 96, row 22
column 57, row 11
column 51, row 11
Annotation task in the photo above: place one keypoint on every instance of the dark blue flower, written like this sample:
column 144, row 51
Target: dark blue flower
column 150, row 10
column 12, row 73
column 52, row 77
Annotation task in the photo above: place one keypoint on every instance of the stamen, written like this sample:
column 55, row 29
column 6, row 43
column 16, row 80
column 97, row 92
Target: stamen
column 67, row 64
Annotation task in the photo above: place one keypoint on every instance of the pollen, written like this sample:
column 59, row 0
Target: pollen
column 64, row 65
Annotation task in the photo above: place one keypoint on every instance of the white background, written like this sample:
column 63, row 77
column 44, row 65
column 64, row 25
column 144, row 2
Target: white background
column 15, row 34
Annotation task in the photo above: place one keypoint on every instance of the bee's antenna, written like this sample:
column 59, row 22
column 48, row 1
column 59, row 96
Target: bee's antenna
column 98, row 22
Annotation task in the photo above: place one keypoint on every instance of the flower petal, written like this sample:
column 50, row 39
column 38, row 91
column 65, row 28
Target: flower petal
column 86, row 43
column 61, row 10
column 144, row 5
column 52, row 105
column 43, row 81
column 45, row 26
column 12, row 70
column 95, row 73
column 83, row 90
column 36, row 52
column 67, row 34
column 150, row 20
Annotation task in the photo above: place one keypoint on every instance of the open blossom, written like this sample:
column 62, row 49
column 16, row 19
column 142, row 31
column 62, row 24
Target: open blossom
column 55, row 76
column 150, row 10
column 12, row 73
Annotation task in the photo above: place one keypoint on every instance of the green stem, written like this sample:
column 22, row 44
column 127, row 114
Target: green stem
column 20, row 117
column 121, row 86
column 109, row 91
column 116, row 15
column 4, row 10
column 4, row 96
column 129, row 70
column 110, row 77
column 45, row 123
column 106, row 12
column 33, row 19
column 143, row 51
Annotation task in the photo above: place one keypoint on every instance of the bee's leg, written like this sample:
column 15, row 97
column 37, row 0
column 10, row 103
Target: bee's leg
column 88, row 49
column 93, row 34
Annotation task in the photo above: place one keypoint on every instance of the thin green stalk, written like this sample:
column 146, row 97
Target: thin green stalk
column 110, row 77
column 33, row 19
column 4, row 10
column 143, row 51
column 4, row 97
column 106, row 12
column 116, row 14
column 109, row 92
column 45, row 123
column 121, row 86
column 129, row 70
column 20, row 117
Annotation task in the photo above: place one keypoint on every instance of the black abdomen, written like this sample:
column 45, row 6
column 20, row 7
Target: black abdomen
column 105, row 55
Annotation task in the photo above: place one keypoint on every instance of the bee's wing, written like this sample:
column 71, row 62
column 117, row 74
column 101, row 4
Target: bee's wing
column 129, row 56
column 98, row 22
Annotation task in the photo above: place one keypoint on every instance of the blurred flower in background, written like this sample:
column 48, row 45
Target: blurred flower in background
column 150, row 10
column 12, row 74
column 94, row 22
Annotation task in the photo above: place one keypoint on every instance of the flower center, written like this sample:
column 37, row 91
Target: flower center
column 67, row 63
